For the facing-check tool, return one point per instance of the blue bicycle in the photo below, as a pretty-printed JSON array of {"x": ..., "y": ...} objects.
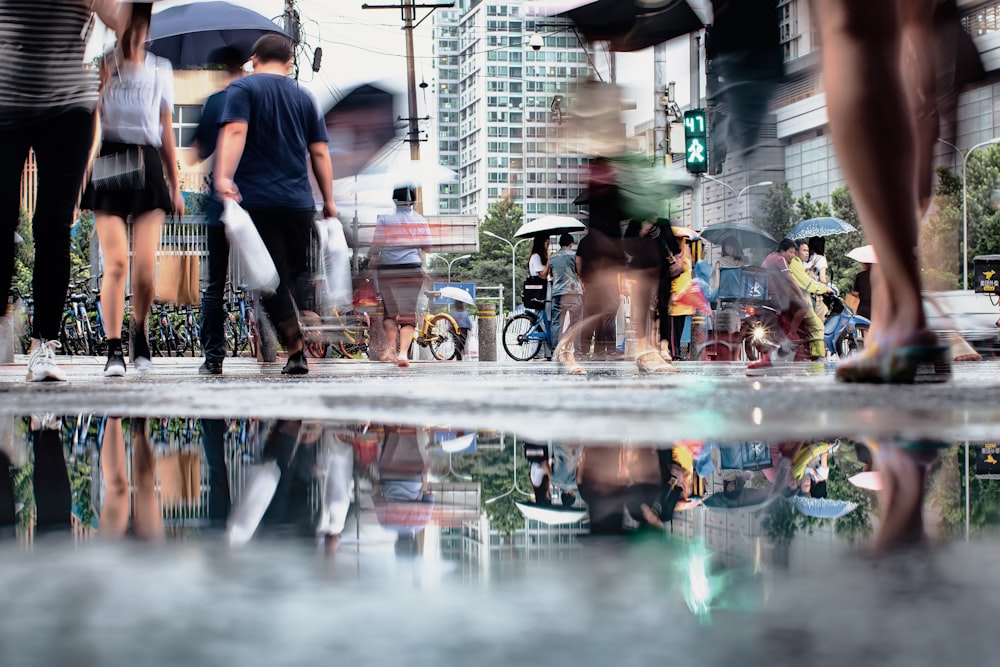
[{"x": 524, "y": 333}]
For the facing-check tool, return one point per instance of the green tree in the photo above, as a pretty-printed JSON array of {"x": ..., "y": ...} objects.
[
  {"x": 941, "y": 236},
  {"x": 843, "y": 270},
  {"x": 24, "y": 255},
  {"x": 776, "y": 213},
  {"x": 492, "y": 468},
  {"x": 983, "y": 197},
  {"x": 492, "y": 265},
  {"x": 83, "y": 230},
  {"x": 806, "y": 208}
]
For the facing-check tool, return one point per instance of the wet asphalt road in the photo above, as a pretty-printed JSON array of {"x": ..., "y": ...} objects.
[{"x": 613, "y": 402}]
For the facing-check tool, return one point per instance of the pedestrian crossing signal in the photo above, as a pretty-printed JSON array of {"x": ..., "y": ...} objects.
[{"x": 695, "y": 141}]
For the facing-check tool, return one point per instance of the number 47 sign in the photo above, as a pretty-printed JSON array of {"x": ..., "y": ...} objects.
[{"x": 695, "y": 141}]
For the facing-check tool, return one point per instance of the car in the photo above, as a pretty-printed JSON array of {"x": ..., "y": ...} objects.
[{"x": 973, "y": 316}]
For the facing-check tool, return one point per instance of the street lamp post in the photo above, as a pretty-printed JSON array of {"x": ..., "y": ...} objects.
[
  {"x": 739, "y": 195},
  {"x": 449, "y": 263},
  {"x": 513, "y": 265},
  {"x": 965, "y": 203}
]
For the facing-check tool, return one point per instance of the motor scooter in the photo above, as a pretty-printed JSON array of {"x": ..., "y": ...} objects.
[{"x": 844, "y": 331}]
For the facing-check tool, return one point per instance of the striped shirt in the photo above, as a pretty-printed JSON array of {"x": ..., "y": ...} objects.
[{"x": 41, "y": 59}]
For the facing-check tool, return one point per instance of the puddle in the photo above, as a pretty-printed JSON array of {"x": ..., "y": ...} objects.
[{"x": 333, "y": 537}]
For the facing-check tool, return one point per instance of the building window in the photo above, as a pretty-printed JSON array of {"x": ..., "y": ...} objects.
[{"x": 186, "y": 119}]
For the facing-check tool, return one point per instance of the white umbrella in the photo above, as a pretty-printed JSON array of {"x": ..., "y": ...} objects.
[
  {"x": 459, "y": 444},
  {"x": 550, "y": 224},
  {"x": 551, "y": 515},
  {"x": 867, "y": 480},
  {"x": 418, "y": 173},
  {"x": 864, "y": 254},
  {"x": 458, "y": 294}
]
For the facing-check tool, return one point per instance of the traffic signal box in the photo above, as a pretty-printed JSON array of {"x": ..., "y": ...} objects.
[{"x": 696, "y": 141}]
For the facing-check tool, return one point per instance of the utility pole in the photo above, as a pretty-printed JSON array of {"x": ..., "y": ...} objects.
[
  {"x": 409, "y": 9},
  {"x": 292, "y": 25}
]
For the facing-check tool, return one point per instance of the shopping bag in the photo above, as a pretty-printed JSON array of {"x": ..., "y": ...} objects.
[
  {"x": 335, "y": 265},
  {"x": 365, "y": 294},
  {"x": 189, "y": 292},
  {"x": 259, "y": 272},
  {"x": 168, "y": 277}
]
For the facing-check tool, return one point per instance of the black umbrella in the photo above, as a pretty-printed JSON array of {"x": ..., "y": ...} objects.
[
  {"x": 189, "y": 35},
  {"x": 631, "y": 25},
  {"x": 747, "y": 234}
]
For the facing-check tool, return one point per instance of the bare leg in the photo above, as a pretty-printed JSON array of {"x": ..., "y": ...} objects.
[
  {"x": 869, "y": 119},
  {"x": 904, "y": 473},
  {"x": 405, "y": 339},
  {"x": 113, "y": 237},
  {"x": 148, "y": 518},
  {"x": 146, "y": 242},
  {"x": 918, "y": 72},
  {"x": 114, "y": 513},
  {"x": 390, "y": 330}
]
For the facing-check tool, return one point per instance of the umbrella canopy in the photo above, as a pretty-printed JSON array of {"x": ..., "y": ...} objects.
[
  {"x": 627, "y": 24},
  {"x": 823, "y": 508},
  {"x": 864, "y": 254},
  {"x": 747, "y": 234},
  {"x": 458, "y": 294},
  {"x": 400, "y": 173},
  {"x": 360, "y": 125},
  {"x": 550, "y": 224},
  {"x": 551, "y": 515},
  {"x": 187, "y": 35},
  {"x": 745, "y": 500},
  {"x": 820, "y": 227},
  {"x": 871, "y": 480}
]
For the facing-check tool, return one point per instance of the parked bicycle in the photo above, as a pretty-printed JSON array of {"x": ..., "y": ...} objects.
[
  {"x": 524, "y": 333},
  {"x": 438, "y": 332}
]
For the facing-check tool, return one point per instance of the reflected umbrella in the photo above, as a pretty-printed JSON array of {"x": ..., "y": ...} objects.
[
  {"x": 822, "y": 508},
  {"x": 552, "y": 515},
  {"x": 360, "y": 125}
]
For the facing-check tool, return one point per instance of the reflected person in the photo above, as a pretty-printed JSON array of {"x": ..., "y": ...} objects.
[{"x": 147, "y": 518}]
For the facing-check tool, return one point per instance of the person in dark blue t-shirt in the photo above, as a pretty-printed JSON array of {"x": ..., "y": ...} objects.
[
  {"x": 270, "y": 127},
  {"x": 213, "y": 314}
]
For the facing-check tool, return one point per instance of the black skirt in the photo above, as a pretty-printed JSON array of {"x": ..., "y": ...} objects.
[{"x": 131, "y": 202}]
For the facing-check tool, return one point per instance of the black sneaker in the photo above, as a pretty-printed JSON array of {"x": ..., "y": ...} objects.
[
  {"x": 141, "y": 357},
  {"x": 115, "y": 367},
  {"x": 296, "y": 364},
  {"x": 210, "y": 368}
]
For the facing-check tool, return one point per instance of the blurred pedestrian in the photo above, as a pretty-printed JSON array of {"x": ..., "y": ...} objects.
[
  {"x": 879, "y": 72},
  {"x": 863, "y": 288},
  {"x": 680, "y": 313},
  {"x": 47, "y": 103},
  {"x": 213, "y": 313},
  {"x": 464, "y": 327},
  {"x": 272, "y": 131},
  {"x": 567, "y": 303},
  {"x": 397, "y": 254},
  {"x": 134, "y": 180},
  {"x": 671, "y": 252}
]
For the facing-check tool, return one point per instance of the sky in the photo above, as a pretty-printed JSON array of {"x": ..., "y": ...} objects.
[{"x": 368, "y": 46}]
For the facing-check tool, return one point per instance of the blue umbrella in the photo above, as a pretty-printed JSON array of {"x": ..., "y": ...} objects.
[
  {"x": 187, "y": 35},
  {"x": 823, "y": 508},
  {"x": 820, "y": 227}
]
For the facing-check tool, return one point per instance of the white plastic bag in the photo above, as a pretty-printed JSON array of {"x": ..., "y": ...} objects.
[
  {"x": 258, "y": 267},
  {"x": 338, "y": 292},
  {"x": 261, "y": 485}
]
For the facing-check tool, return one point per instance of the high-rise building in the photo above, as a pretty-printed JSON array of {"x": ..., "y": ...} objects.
[{"x": 501, "y": 109}]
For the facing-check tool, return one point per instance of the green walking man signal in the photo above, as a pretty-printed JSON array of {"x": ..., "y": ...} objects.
[{"x": 695, "y": 141}]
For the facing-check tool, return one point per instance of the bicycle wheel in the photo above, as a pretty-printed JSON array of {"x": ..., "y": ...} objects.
[
  {"x": 442, "y": 338},
  {"x": 515, "y": 341},
  {"x": 69, "y": 337}
]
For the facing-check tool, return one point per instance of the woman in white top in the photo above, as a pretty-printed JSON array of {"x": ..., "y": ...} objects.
[
  {"x": 538, "y": 260},
  {"x": 136, "y": 108},
  {"x": 816, "y": 263}
]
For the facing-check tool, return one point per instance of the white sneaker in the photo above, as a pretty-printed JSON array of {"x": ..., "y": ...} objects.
[
  {"x": 142, "y": 364},
  {"x": 42, "y": 365}
]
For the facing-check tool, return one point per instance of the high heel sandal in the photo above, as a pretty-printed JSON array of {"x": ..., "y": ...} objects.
[
  {"x": 650, "y": 362},
  {"x": 568, "y": 363},
  {"x": 908, "y": 364}
]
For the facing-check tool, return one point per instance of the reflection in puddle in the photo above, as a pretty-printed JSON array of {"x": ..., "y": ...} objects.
[
  {"x": 681, "y": 536},
  {"x": 481, "y": 496}
]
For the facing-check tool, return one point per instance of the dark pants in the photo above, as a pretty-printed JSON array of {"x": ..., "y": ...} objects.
[
  {"x": 50, "y": 481},
  {"x": 213, "y": 312},
  {"x": 676, "y": 331},
  {"x": 563, "y": 306},
  {"x": 62, "y": 146},
  {"x": 213, "y": 442},
  {"x": 286, "y": 235},
  {"x": 663, "y": 294}
]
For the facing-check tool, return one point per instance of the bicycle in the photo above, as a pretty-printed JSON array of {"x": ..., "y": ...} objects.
[
  {"x": 341, "y": 336},
  {"x": 163, "y": 339},
  {"x": 188, "y": 331},
  {"x": 246, "y": 331},
  {"x": 524, "y": 333},
  {"x": 438, "y": 332},
  {"x": 76, "y": 333}
]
